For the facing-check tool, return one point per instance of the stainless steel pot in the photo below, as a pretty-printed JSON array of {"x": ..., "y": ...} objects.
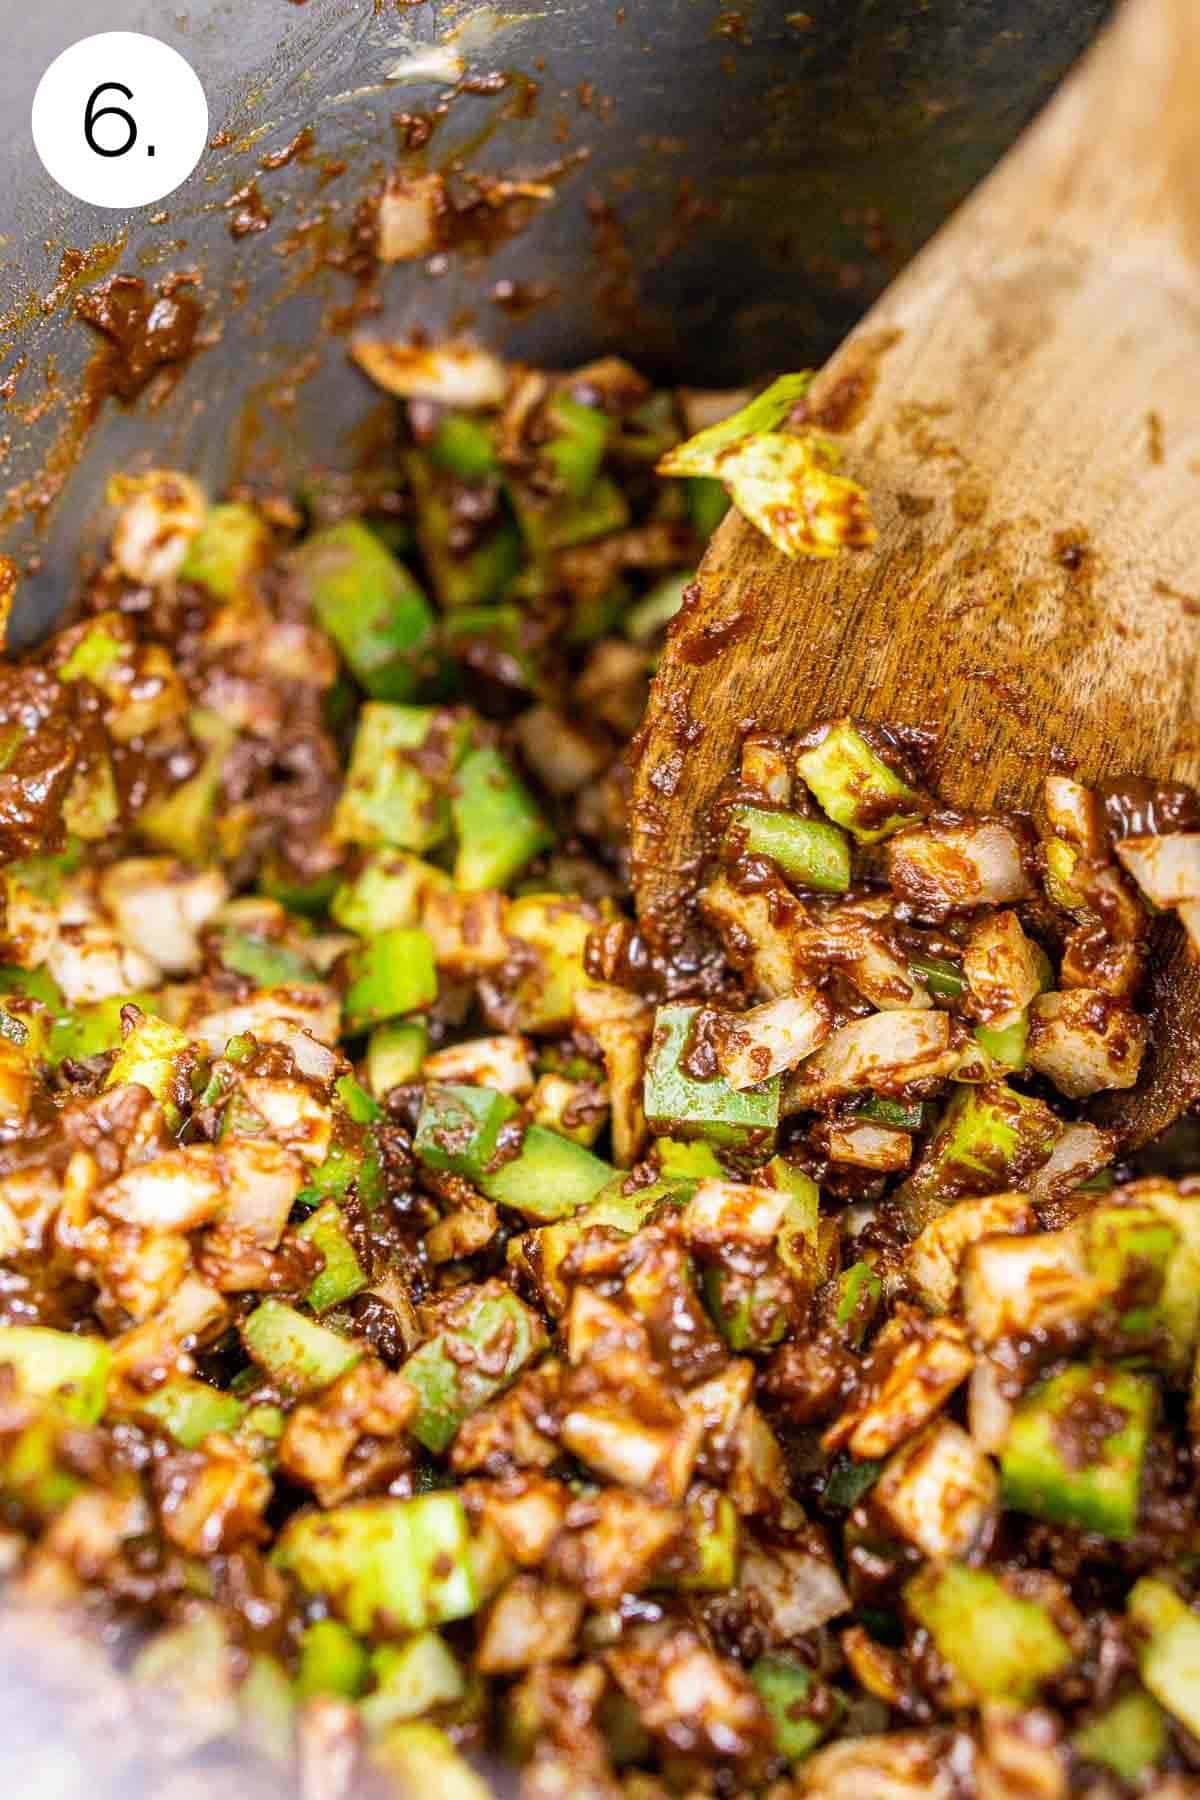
[{"x": 729, "y": 189}]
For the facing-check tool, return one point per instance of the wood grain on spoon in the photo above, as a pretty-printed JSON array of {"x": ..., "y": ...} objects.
[{"x": 1024, "y": 408}]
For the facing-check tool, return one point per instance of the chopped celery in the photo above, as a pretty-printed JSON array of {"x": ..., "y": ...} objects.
[
  {"x": 388, "y": 798},
  {"x": 459, "y": 1127},
  {"x": 855, "y": 787},
  {"x": 859, "y": 1291},
  {"x": 390, "y": 1565},
  {"x": 940, "y": 975},
  {"x": 390, "y": 974},
  {"x": 411, "y": 1679},
  {"x": 371, "y": 607},
  {"x": 1005, "y": 1044},
  {"x": 550, "y": 1176},
  {"x": 484, "y": 1345},
  {"x": 1092, "y": 1479},
  {"x": 154, "y": 1056},
  {"x": 262, "y": 961},
  {"x": 299, "y": 1355},
  {"x": 332, "y": 1661},
  {"x": 785, "y": 484},
  {"x": 574, "y": 449},
  {"x": 680, "y": 1104},
  {"x": 707, "y": 504},
  {"x": 785, "y": 1686},
  {"x": 556, "y": 930},
  {"x": 91, "y": 1027},
  {"x": 710, "y": 1542},
  {"x": 1001, "y": 1646},
  {"x": 395, "y": 1052},
  {"x": 498, "y": 824},
  {"x": 990, "y": 1138},
  {"x": 60, "y": 1366},
  {"x": 464, "y": 446},
  {"x": 810, "y": 852},
  {"x": 184, "y": 820},
  {"x": 227, "y": 549},
  {"x": 1129, "y": 1737},
  {"x": 190, "y": 1410},
  {"x": 1168, "y": 1637},
  {"x": 343, "y": 1275}
]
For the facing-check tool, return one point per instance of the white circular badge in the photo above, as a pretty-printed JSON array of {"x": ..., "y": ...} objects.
[{"x": 120, "y": 119}]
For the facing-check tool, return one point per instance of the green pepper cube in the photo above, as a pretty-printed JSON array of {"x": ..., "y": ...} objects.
[
  {"x": 184, "y": 820},
  {"x": 940, "y": 975},
  {"x": 91, "y": 1028},
  {"x": 1168, "y": 1638},
  {"x": 484, "y": 1344},
  {"x": 388, "y": 1565},
  {"x": 390, "y": 974},
  {"x": 1001, "y": 1646},
  {"x": 990, "y": 1137},
  {"x": 153, "y": 1055},
  {"x": 1076, "y": 1447},
  {"x": 859, "y": 1291},
  {"x": 343, "y": 1275},
  {"x": 460, "y": 578},
  {"x": 332, "y": 1661},
  {"x": 1006, "y": 1044},
  {"x": 233, "y": 541},
  {"x": 297, "y": 1353},
  {"x": 679, "y": 1104},
  {"x": 388, "y": 890},
  {"x": 680, "y": 1160},
  {"x": 711, "y": 1542},
  {"x": 388, "y": 798},
  {"x": 459, "y": 1127},
  {"x": 60, "y": 1366},
  {"x": 575, "y": 447},
  {"x": 395, "y": 1052},
  {"x": 854, "y": 786},
  {"x": 811, "y": 852},
  {"x": 370, "y": 605},
  {"x": 1129, "y": 1737},
  {"x": 262, "y": 961},
  {"x": 784, "y": 1686},
  {"x": 549, "y": 1178},
  {"x": 498, "y": 824},
  {"x": 556, "y": 929},
  {"x": 190, "y": 1410},
  {"x": 411, "y": 1679},
  {"x": 1130, "y": 1251},
  {"x": 464, "y": 446}
]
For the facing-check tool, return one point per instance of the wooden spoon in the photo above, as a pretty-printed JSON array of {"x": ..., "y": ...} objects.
[{"x": 1023, "y": 407}]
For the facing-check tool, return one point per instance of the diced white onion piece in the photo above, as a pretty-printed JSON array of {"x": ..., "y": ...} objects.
[
  {"x": 766, "y": 770},
  {"x": 938, "y": 1492},
  {"x": 160, "y": 904},
  {"x": 913, "y": 1369},
  {"x": 989, "y": 1410},
  {"x": 866, "y": 1145},
  {"x": 1167, "y": 868},
  {"x": 1002, "y": 969},
  {"x": 529, "y": 1622},
  {"x": 953, "y": 868},
  {"x": 562, "y": 755},
  {"x": 504, "y": 1063},
  {"x": 1079, "y": 1152},
  {"x": 730, "y": 1212},
  {"x": 653, "y": 1459},
  {"x": 887, "y": 1049},
  {"x": 754, "y": 1045},
  {"x": 467, "y": 930},
  {"x": 294, "y": 1115},
  {"x": 90, "y": 963},
  {"x": 410, "y": 213},
  {"x": 452, "y": 374},
  {"x": 174, "y": 1192},
  {"x": 263, "y": 1181},
  {"x": 934, "y": 1258},
  {"x": 311, "y": 1057},
  {"x": 888, "y": 1765},
  {"x": 853, "y": 938},
  {"x": 308, "y": 1005},
  {"x": 161, "y": 512},
  {"x": 1014, "y": 1285},
  {"x": 1074, "y": 811},
  {"x": 1085, "y": 1041},
  {"x": 793, "y": 1590},
  {"x": 759, "y": 932}
]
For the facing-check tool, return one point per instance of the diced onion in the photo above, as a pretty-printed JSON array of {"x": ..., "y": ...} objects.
[
  {"x": 453, "y": 374},
  {"x": 1085, "y": 1041},
  {"x": 886, "y": 1049},
  {"x": 939, "y": 869},
  {"x": 410, "y": 212},
  {"x": 1167, "y": 868},
  {"x": 754, "y": 1045}
]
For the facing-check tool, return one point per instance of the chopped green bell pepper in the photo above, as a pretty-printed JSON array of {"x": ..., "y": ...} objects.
[
  {"x": 785, "y": 1685},
  {"x": 1168, "y": 1639},
  {"x": 332, "y": 1661},
  {"x": 1076, "y": 1446},
  {"x": 343, "y": 1275},
  {"x": 388, "y": 798},
  {"x": 549, "y": 1177},
  {"x": 458, "y": 1128},
  {"x": 855, "y": 787},
  {"x": 811, "y": 852},
  {"x": 1001, "y": 1646},
  {"x": 387, "y": 1565},
  {"x": 411, "y": 1679},
  {"x": 298, "y": 1354},
  {"x": 1129, "y": 1737},
  {"x": 190, "y": 1411},
  {"x": 371, "y": 607},
  {"x": 395, "y": 1052},
  {"x": 684, "y": 1107},
  {"x": 70, "y": 1370},
  {"x": 498, "y": 824},
  {"x": 233, "y": 541},
  {"x": 388, "y": 975}
]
